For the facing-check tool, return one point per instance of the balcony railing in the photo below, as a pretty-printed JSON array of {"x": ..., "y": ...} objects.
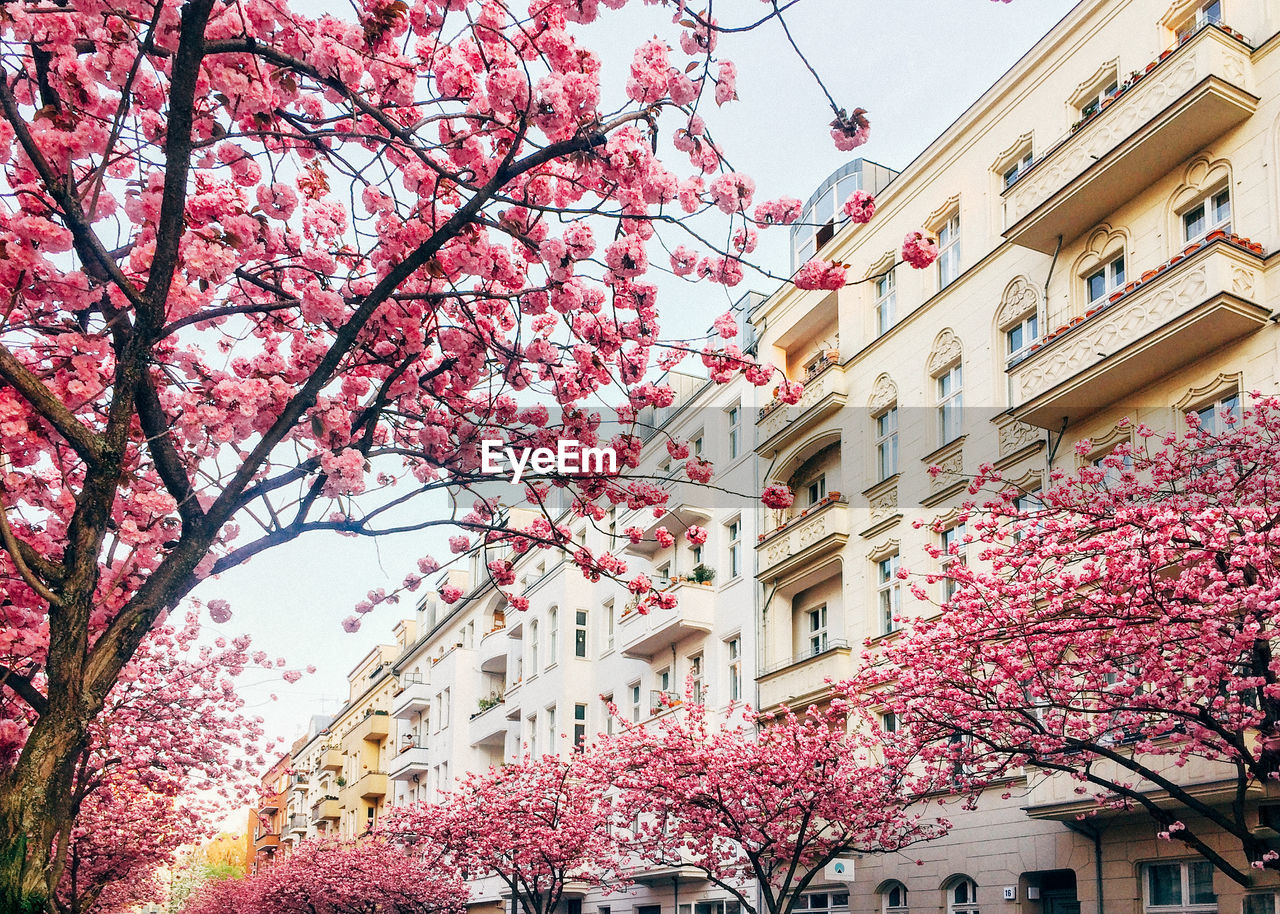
[
  {"x": 660, "y": 701},
  {"x": 1202, "y": 299},
  {"x": 375, "y": 727},
  {"x": 1192, "y": 95},
  {"x": 818, "y": 527},
  {"x": 825, "y": 391},
  {"x": 412, "y": 699},
  {"x": 805, "y": 675},
  {"x": 412, "y": 759},
  {"x": 642, "y": 635}
]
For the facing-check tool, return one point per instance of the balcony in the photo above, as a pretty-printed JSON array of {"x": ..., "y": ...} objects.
[
  {"x": 678, "y": 516},
  {"x": 825, "y": 392},
  {"x": 411, "y": 700},
  {"x": 817, "y": 531},
  {"x": 493, "y": 650},
  {"x": 374, "y": 728},
  {"x": 488, "y": 727},
  {"x": 269, "y": 805},
  {"x": 327, "y": 809},
  {"x": 330, "y": 760},
  {"x": 297, "y": 824},
  {"x": 796, "y": 679},
  {"x": 1054, "y": 794},
  {"x": 642, "y": 635},
  {"x": 1186, "y": 311},
  {"x": 266, "y": 841},
  {"x": 411, "y": 761},
  {"x": 371, "y": 785},
  {"x": 1193, "y": 95}
]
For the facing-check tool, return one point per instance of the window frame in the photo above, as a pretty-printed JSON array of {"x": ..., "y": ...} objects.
[
  {"x": 733, "y": 647},
  {"x": 955, "y": 905},
  {"x": 948, "y": 250},
  {"x": 1204, "y": 203},
  {"x": 1185, "y": 906},
  {"x": 1014, "y": 170},
  {"x": 817, "y": 636},
  {"x": 734, "y": 416},
  {"x": 733, "y": 530},
  {"x": 1111, "y": 272},
  {"x": 1093, "y": 103},
  {"x": 580, "y": 630},
  {"x": 949, "y": 389},
  {"x": 888, "y": 591},
  {"x": 953, "y": 535},
  {"x": 886, "y": 442},
  {"x": 885, "y": 289},
  {"x": 1029, "y": 329}
]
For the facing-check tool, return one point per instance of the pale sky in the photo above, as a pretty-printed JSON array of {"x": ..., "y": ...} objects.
[{"x": 915, "y": 65}]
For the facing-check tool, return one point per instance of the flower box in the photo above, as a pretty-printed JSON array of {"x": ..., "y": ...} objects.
[
  {"x": 1215, "y": 235},
  {"x": 1149, "y": 274},
  {"x": 1116, "y": 296}
]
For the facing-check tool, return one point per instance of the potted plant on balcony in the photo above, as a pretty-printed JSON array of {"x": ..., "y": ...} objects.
[
  {"x": 703, "y": 575},
  {"x": 340, "y": 781}
]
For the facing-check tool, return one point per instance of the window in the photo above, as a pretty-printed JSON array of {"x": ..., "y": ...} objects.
[
  {"x": 664, "y": 575},
  {"x": 886, "y": 302},
  {"x": 950, "y": 400},
  {"x": 1093, "y": 104},
  {"x": 697, "y": 446},
  {"x": 1020, "y": 336},
  {"x": 1102, "y": 282},
  {"x": 607, "y": 613},
  {"x": 887, "y": 443},
  {"x": 1113, "y": 467},
  {"x": 817, "y": 629},
  {"x": 1259, "y": 904},
  {"x": 580, "y": 633},
  {"x": 607, "y": 700},
  {"x": 817, "y": 490},
  {"x": 715, "y": 907},
  {"x": 889, "y": 592},
  {"x": 1028, "y": 504},
  {"x": 1179, "y": 888},
  {"x": 579, "y": 727},
  {"x": 952, "y": 538},
  {"x": 552, "y": 736},
  {"x": 735, "y": 669},
  {"x": 962, "y": 897},
  {"x": 696, "y": 552},
  {"x": 553, "y": 633},
  {"x": 889, "y": 722},
  {"x": 735, "y": 549},
  {"x": 894, "y": 899},
  {"x": 949, "y": 251},
  {"x": 664, "y": 680},
  {"x": 533, "y": 649},
  {"x": 818, "y": 902},
  {"x": 1208, "y": 14},
  {"x": 532, "y": 724},
  {"x": 695, "y": 678},
  {"x": 1220, "y": 415},
  {"x": 633, "y": 692},
  {"x": 735, "y": 430},
  {"x": 1207, "y": 215},
  {"x": 1014, "y": 172}
]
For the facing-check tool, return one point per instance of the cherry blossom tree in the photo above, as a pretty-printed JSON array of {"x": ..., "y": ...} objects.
[
  {"x": 170, "y": 750},
  {"x": 1118, "y": 629},
  {"x": 328, "y": 876},
  {"x": 270, "y": 275},
  {"x": 769, "y": 805},
  {"x": 536, "y": 825}
]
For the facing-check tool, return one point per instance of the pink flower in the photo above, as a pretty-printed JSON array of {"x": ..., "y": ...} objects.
[
  {"x": 726, "y": 325},
  {"x": 919, "y": 249},
  {"x": 777, "y": 496},
  {"x": 696, "y": 535},
  {"x": 291, "y": 676},
  {"x": 820, "y": 274},
  {"x": 459, "y": 543},
  {"x": 626, "y": 257},
  {"x": 635, "y": 534},
  {"x": 220, "y": 611},
  {"x": 726, "y": 83},
  {"x": 860, "y": 207},
  {"x": 683, "y": 260},
  {"x": 351, "y": 624},
  {"x": 849, "y": 131},
  {"x": 732, "y": 192},
  {"x": 698, "y": 470},
  {"x": 450, "y": 593},
  {"x": 664, "y": 537},
  {"x": 783, "y": 211}
]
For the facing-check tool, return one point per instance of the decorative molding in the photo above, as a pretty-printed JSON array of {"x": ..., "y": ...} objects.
[
  {"x": 884, "y": 550},
  {"x": 944, "y": 212},
  {"x": 1020, "y": 299},
  {"x": 884, "y": 393},
  {"x": 1091, "y": 84},
  {"x": 1014, "y": 436},
  {"x": 1202, "y": 176},
  {"x": 1030, "y": 481},
  {"x": 949, "y": 477},
  {"x": 947, "y": 350},
  {"x": 1242, "y": 281},
  {"x": 1100, "y": 446},
  {"x": 886, "y": 262},
  {"x": 1006, "y": 158},
  {"x": 1211, "y": 390},
  {"x": 1178, "y": 13},
  {"x": 883, "y": 503}
]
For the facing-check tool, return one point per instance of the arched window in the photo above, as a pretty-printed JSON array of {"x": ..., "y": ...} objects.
[
  {"x": 962, "y": 896},
  {"x": 893, "y": 899}
]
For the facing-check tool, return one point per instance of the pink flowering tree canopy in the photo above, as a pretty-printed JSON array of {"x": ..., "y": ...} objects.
[
  {"x": 1117, "y": 629},
  {"x": 329, "y": 876},
  {"x": 769, "y": 806},
  {"x": 536, "y": 825}
]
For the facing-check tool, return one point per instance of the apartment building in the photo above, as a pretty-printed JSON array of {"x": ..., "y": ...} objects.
[
  {"x": 269, "y": 816},
  {"x": 1105, "y": 215},
  {"x": 304, "y": 758}
]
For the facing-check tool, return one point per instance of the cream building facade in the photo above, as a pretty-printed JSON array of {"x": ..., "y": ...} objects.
[
  {"x": 1106, "y": 213},
  {"x": 1105, "y": 216}
]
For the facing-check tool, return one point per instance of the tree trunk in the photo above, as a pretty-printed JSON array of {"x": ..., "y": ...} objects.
[{"x": 35, "y": 813}]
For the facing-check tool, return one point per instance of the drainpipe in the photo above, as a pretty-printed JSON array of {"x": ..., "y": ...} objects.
[
  {"x": 1093, "y": 833},
  {"x": 675, "y": 892}
]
